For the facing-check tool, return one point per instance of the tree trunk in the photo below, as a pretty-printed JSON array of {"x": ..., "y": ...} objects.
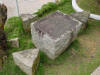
[{"x": 3, "y": 15}]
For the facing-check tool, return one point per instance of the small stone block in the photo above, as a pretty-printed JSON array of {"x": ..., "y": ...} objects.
[
  {"x": 97, "y": 71},
  {"x": 14, "y": 42},
  {"x": 27, "y": 60},
  {"x": 27, "y": 19}
]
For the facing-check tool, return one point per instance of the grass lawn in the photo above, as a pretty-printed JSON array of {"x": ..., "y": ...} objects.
[
  {"x": 81, "y": 58},
  {"x": 89, "y": 5}
]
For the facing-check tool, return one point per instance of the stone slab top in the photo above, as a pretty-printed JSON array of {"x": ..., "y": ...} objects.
[{"x": 55, "y": 24}]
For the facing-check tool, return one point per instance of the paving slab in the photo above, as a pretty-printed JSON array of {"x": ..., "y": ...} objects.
[{"x": 25, "y": 6}]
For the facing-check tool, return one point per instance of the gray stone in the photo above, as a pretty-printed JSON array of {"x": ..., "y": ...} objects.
[
  {"x": 54, "y": 33},
  {"x": 96, "y": 72},
  {"x": 14, "y": 42},
  {"x": 27, "y": 19},
  {"x": 27, "y": 60},
  {"x": 82, "y": 16}
]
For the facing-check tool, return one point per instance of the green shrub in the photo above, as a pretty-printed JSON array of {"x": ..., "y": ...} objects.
[
  {"x": 49, "y": 7},
  {"x": 46, "y": 8},
  {"x": 13, "y": 27},
  {"x": 62, "y": 2}
]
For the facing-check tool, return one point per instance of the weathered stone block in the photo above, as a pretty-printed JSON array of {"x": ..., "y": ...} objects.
[
  {"x": 54, "y": 33},
  {"x": 27, "y": 20},
  {"x": 14, "y": 42},
  {"x": 83, "y": 17},
  {"x": 27, "y": 60}
]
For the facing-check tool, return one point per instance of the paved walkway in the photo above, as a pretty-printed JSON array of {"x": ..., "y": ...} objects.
[{"x": 25, "y": 6}]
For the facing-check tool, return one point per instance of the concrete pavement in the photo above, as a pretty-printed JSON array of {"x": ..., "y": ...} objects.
[{"x": 25, "y": 6}]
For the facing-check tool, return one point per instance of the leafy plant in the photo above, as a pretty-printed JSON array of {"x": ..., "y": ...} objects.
[
  {"x": 46, "y": 8},
  {"x": 13, "y": 27}
]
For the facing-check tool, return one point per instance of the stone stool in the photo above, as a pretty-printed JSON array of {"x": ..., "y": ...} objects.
[{"x": 54, "y": 33}]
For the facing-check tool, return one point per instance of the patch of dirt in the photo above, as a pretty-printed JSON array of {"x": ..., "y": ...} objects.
[{"x": 90, "y": 42}]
